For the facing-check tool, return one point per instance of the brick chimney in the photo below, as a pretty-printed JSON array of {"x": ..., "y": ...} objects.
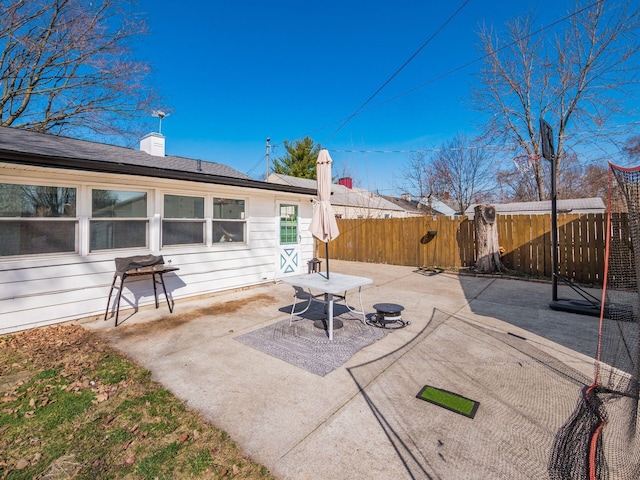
[
  {"x": 153, "y": 144},
  {"x": 346, "y": 182}
]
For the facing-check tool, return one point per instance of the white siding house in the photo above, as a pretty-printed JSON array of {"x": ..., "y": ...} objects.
[
  {"x": 349, "y": 202},
  {"x": 69, "y": 207}
]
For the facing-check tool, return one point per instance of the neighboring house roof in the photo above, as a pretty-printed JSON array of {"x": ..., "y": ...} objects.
[
  {"x": 31, "y": 148},
  {"x": 574, "y": 205},
  {"x": 437, "y": 205},
  {"x": 341, "y": 195},
  {"x": 408, "y": 205}
]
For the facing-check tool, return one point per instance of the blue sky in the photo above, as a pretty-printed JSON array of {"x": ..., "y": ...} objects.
[{"x": 234, "y": 73}]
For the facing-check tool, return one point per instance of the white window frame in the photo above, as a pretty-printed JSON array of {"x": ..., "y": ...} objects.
[
  {"x": 242, "y": 220},
  {"x": 297, "y": 223},
  {"x": 146, "y": 220},
  {"x": 44, "y": 220},
  {"x": 192, "y": 220}
]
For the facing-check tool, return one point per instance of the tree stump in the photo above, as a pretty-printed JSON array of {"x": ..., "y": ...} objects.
[{"x": 487, "y": 246}]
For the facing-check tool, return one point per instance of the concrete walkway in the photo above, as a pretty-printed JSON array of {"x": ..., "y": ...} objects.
[{"x": 490, "y": 339}]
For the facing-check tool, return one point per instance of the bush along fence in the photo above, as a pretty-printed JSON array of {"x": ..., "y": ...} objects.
[{"x": 449, "y": 242}]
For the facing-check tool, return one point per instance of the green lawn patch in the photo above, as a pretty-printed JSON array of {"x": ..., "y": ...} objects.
[{"x": 72, "y": 407}]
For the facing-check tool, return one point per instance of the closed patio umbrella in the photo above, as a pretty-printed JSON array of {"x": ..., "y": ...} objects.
[{"x": 323, "y": 223}]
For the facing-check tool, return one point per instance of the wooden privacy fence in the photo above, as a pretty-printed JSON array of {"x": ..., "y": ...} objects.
[{"x": 450, "y": 242}]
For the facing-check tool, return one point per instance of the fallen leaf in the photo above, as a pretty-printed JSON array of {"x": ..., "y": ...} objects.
[
  {"x": 183, "y": 438},
  {"x": 8, "y": 399},
  {"x": 32, "y": 402},
  {"x": 134, "y": 428},
  {"x": 131, "y": 459},
  {"x": 101, "y": 397},
  {"x": 196, "y": 435},
  {"x": 29, "y": 414},
  {"x": 22, "y": 464},
  {"x": 37, "y": 457},
  {"x": 236, "y": 469}
]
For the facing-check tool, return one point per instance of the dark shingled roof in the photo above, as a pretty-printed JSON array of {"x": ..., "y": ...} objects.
[{"x": 32, "y": 148}]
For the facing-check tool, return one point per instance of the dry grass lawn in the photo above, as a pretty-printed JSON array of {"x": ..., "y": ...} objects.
[{"x": 72, "y": 407}]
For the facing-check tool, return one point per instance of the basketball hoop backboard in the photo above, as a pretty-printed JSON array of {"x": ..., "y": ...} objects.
[{"x": 546, "y": 138}]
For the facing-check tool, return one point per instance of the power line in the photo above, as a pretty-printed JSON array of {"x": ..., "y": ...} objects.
[
  {"x": 476, "y": 60},
  {"x": 415, "y": 54},
  {"x": 362, "y": 110},
  {"x": 430, "y": 150}
]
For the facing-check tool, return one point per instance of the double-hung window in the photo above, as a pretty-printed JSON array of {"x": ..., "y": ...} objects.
[
  {"x": 183, "y": 221},
  {"x": 37, "y": 219},
  {"x": 229, "y": 223},
  {"x": 118, "y": 219}
]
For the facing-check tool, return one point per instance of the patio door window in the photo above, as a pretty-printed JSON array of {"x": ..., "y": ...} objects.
[
  {"x": 288, "y": 224},
  {"x": 36, "y": 219},
  {"x": 118, "y": 219}
]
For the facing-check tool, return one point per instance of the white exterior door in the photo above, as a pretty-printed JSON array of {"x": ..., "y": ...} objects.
[{"x": 289, "y": 238}]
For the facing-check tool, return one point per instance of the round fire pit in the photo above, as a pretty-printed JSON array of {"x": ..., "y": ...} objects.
[{"x": 388, "y": 315}]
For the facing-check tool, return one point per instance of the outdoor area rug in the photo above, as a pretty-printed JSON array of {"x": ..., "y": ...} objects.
[{"x": 304, "y": 345}]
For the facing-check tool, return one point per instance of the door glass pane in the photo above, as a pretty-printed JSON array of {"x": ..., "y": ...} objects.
[{"x": 288, "y": 224}]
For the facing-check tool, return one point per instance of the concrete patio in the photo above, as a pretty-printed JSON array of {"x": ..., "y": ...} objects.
[{"x": 362, "y": 420}]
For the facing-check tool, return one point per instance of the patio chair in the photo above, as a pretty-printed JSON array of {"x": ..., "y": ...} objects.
[
  {"x": 304, "y": 295},
  {"x": 300, "y": 293}
]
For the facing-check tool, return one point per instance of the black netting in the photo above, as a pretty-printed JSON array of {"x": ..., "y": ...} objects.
[
  {"x": 570, "y": 457},
  {"x": 525, "y": 395},
  {"x": 600, "y": 440}
]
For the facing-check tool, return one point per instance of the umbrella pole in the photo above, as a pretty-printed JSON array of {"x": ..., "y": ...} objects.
[{"x": 326, "y": 256}]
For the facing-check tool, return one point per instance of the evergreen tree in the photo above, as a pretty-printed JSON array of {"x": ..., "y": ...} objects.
[{"x": 300, "y": 159}]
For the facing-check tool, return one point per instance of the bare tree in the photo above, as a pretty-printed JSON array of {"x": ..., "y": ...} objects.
[
  {"x": 632, "y": 147},
  {"x": 463, "y": 170},
  {"x": 66, "y": 68},
  {"x": 518, "y": 184},
  {"x": 415, "y": 175},
  {"x": 576, "y": 79}
]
